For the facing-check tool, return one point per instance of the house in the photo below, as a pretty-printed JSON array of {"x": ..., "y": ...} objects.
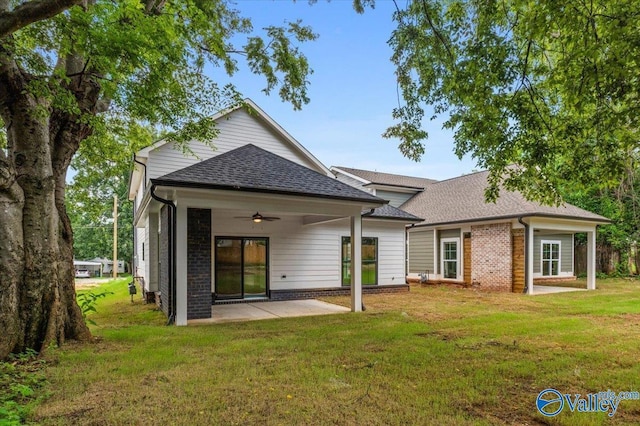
[
  {"x": 506, "y": 246},
  {"x": 94, "y": 268},
  {"x": 107, "y": 265},
  {"x": 257, "y": 218}
]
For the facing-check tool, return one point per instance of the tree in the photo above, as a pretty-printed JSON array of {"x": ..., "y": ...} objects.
[
  {"x": 90, "y": 194},
  {"x": 539, "y": 93},
  {"x": 71, "y": 76},
  {"x": 617, "y": 241}
]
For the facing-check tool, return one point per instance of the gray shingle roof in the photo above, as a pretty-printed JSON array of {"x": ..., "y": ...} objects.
[
  {"x": 388, "y": 178},
  {"x": 389, "y": 212},
  {"x": 250, "y": 168},
  {"x": 461, "y": 199}
]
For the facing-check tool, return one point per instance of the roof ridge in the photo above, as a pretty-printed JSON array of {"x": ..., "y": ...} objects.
[
  {"x": 461, "y": 176},
  {"x": 251, "y": 168},
  {"x": 384, "y": 173}
]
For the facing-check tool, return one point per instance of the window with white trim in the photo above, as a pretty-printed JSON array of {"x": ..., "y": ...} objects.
[
  {"x": 450, "y": 257},
  {"x": 550, "y": 258}
]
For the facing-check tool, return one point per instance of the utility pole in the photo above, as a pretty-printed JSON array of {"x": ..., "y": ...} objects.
[{"x": 114, "y": 269}]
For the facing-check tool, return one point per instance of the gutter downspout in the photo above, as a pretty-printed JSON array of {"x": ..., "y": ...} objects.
[
  {"x": 526, "y": 252},
  {"x": 145, "y": 171},
  {"x": 172, "y": 254}
]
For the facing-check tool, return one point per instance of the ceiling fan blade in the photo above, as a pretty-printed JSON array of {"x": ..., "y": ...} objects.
[{"x": 270, "y": 219}]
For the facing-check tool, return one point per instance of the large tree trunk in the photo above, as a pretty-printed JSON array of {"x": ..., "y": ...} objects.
[
  {"x": 37, "y": 300},
  {"x": 11, "y": 259}
]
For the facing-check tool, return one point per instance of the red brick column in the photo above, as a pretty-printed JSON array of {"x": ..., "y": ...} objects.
[{"x": 491, "y": 256}]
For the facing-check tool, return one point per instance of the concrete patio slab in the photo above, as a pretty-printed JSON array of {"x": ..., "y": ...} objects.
[
  {"x": 269, "y": 310},
  {"x": 544, "y": 289}
]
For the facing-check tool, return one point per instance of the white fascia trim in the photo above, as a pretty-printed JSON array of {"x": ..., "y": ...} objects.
[
  {"x": 352, "y": 176},
  {"x": 142, "y": 208},
  {"x": 136, "y": 178},
  {"x": 394, "y": 188}
]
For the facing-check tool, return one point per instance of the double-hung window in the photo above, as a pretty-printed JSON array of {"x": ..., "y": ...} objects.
[
  {"x": 550, "y": 258},
  {"x": 450, "y": 257}
]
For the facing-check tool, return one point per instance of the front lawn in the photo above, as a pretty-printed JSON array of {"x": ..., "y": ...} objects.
[{"x": 437, "y": 355}]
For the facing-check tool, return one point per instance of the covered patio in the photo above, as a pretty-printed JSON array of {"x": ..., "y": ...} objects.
[
  {"x": 547, "y": 289},
  {"x": 248, "y": 224},
  {"x": 235, "y": 312},
  {"x": 539, "y": 228}
]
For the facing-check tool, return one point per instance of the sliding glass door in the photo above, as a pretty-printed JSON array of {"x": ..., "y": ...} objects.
[{"x": 241, "y": 266}]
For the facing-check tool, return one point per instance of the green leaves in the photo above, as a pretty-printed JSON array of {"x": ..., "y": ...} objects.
[
  {"x": 102, "y": 169},
  {"x": 539, "y": 94},
  {"x": 87, "y": 301},
  {"x": 149, "y": 63},
  {"x": 281, "y": 63}
]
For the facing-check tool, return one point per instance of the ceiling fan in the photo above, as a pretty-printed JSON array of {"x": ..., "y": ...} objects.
[{"x": 257, "y": 218}]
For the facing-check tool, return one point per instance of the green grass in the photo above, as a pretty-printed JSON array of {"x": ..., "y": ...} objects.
[{"x": 437, "y": 355}]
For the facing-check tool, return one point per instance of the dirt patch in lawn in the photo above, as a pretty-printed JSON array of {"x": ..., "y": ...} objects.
[{"x": 86, "y": 283}]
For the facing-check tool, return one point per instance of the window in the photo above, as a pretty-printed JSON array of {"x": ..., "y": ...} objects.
[
  {"x": 369, "y": 261},
  {"x": 143, "y": 251},
  {"x": 450, "y": 257},
  {"x": 550, "y": 258}
]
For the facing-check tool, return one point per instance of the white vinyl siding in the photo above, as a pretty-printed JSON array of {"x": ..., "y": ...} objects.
[
  {"x": 396, "y": 199},
  {"x": 235, "y": 130},
  {"x": 151, "y": 255},
  {"x": 421, "y": 252},
  {"x": 303, "y": 257},
  {"x": 566, "y": 252},
  {"x": 141, "y": 247}
]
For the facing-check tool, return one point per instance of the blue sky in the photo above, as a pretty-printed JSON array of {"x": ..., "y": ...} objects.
[{"x": 352, "y": 91}]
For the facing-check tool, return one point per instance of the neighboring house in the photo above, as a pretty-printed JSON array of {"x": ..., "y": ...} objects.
[
  {"x": 257, "y": 218},
  {"x": 94, "y": 268},
  {"x": 107, "y": 265},
  {"x": 507, "y": 245}
]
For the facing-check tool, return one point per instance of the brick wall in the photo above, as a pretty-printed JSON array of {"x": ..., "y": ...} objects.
[
  {"x": 491, "y": 256},
  {"x": 518, "y": 260},
  {"x": 198, "y": 263},
  {"x": 163, "y": 257},
  {"x": 312, "y": 293}
]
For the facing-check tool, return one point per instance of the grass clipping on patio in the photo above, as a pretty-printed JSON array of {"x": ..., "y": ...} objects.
[{"x": 435, "y": 355}]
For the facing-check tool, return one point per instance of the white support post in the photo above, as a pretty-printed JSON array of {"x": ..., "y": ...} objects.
[
  {"x": 529, "y": 260},
  {"x": 591, "y": 260},
  {"x": 181, "y": 265},
  {"x": 356, "y": 263}
]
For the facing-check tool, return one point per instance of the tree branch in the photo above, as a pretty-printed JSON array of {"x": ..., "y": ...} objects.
[
  {"x": 435, "y": 30},
  {"x": 32, "y": 11}
]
